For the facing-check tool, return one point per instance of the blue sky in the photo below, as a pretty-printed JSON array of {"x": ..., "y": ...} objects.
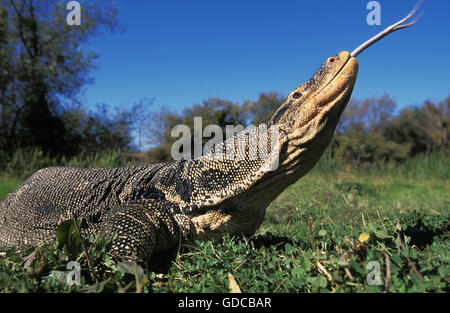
[{"x": 183, "y": 52}]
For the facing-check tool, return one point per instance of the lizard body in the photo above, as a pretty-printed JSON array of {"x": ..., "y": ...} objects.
[{"x": 150, "y": 208}]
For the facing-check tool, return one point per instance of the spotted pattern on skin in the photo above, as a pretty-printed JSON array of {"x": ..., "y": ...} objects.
[{"x": 149, "y": 209}]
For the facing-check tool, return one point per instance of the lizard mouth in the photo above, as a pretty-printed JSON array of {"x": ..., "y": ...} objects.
[
  {"x": 306, "y": 101},
  {"x": 334, "y": 81},
  {"x": 341, "y": 75}
]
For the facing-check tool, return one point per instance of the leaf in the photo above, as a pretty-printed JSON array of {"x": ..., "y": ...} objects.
[
  {"x": 298, "y": 282},
  {"x": 59, "y": 276},
  {"x": 297, "y": 272},
  {"x": 289, "y": 248},
  {"x": 371, "y": 228},
  {"x": 233, "y": 285},
  {"x": 363, "y": 237},
  {"x": 396, "y": 259},
  {"x": 305, "y": 263},
  {"x": 323, "y": 282},
  {"x": 68, "y": 239},
  {"x": 29, "y": 259},
  {"x": 357, "y": 268},
  {"x": 442, "y": 271},
  {"x": 381, "y": 234},
  {"x": 322, "y": 233},
  {"x": 99, "y": 287},
  {"x": 131, "y": 268}
]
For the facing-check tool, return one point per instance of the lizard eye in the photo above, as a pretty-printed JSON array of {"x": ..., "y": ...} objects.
[{"x": 297, "y": 95}]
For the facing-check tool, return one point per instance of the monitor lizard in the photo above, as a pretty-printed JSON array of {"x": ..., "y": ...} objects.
[{"x": 151, "y": 208}]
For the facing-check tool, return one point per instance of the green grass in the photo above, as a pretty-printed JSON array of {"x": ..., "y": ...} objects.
[
  {"x": 319, "y": 235},
  {"x": 8, "y": 184}
]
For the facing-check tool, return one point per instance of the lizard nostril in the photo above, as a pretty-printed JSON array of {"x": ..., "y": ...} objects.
[{"x": 331, "y": 60}]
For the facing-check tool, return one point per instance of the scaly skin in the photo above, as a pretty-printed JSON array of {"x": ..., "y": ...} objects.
[{"x": 151, "y": 208}]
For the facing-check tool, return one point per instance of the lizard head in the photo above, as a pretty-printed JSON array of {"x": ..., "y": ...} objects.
[
  {"x": 309, "y": 116},
  {"x": 312, "y": 105},
  {"x": 303, "y": 127}
]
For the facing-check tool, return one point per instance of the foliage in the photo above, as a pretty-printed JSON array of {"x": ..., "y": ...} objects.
[
  {"x": 320, "y": 235},
  {"x": 45, "y": 63},
  {"x": 424, "y": 129},
  {"x": 24, "y": 162},
  {"x": 47, "y": 267},
  {"x": 379, "y": 194},
  {"x": 96, "y": 130},
  {"x": 368, "y": 114},
  {"x": 369, "y": 131},
  {"x": 213, "y": 111},
  {"x": 358, "y": 147},
  {"x": 261, "y": 110}
]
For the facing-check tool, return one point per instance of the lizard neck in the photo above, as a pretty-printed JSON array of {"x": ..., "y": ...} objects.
[{"x": 228, "y": 190}]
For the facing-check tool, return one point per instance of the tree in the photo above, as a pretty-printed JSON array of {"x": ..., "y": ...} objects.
[
  {"x": 369, "y": 114},
  {"x": 367, "y": 132},
  {"x": 426, "y": 128},
  {"x": 97, "y": 130},
  {"x": 261, "y": 110},
  {"x": 213, "y": 111},
  {"x": 360, "y": 133},
  {"x": 44, "y": 66},
  {"x": 140, "y": 116}
]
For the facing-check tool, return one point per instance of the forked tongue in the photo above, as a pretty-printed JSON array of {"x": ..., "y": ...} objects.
[{"x": 396, "y": 26}]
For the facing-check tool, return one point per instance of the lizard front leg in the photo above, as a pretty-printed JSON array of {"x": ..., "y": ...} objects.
[{"x": 146, "y": 231}]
